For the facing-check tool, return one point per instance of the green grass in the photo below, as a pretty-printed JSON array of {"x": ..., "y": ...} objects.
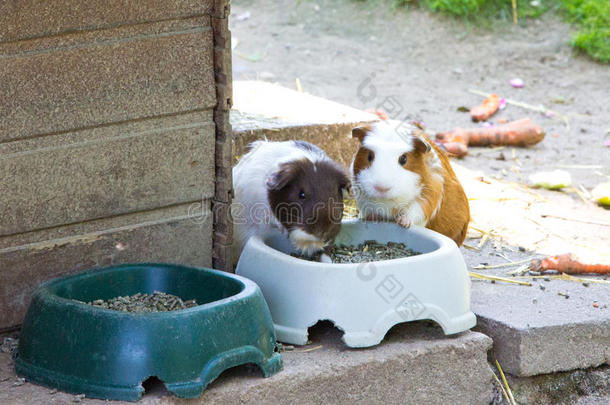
[
  {"x": 591, "y": 18},
  {"x": 489, "y": 9}
]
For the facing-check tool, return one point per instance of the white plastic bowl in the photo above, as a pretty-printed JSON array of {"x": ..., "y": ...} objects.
[{"x": 364, "y": 300}]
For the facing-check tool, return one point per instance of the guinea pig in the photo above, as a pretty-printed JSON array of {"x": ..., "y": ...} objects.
[
  {"x": 406, "y": 178},
  {"x": 292, "y": 187}
]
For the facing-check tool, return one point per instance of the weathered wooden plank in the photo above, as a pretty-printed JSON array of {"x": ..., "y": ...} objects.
[
  {"x": 105, "y": 176},
  {"x": 80, "y": 85},
  {"x": 21, "y": 19},
  {"x": 176, "y": 239}
]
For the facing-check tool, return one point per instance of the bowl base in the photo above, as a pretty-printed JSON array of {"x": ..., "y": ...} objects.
[{"x": 183, "y": 389}]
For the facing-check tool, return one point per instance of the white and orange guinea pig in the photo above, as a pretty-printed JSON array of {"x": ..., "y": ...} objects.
[
  {"x": 290, "y": 187},
  {"x": 407, "y": 179}
]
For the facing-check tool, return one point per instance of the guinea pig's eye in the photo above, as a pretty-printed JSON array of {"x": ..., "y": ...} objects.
[
  {"x": 301, "y": 195},
  {"x": 371, "y": 156},
  {"x": 402, "y": 159}
]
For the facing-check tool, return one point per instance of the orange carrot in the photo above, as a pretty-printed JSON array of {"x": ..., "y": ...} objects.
[
  {"x": 455, "y": 143},
  {"x": 568, "y": 264},
  {"x": 516, "y": 133},
  {"x": 379, "y": 113},
  {"x": 487, "y": 109},
  {"x": 457, "y": 149}
]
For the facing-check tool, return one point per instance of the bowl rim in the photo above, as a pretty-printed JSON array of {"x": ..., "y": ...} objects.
[
  {"x": 446, "y": 245},
  {"x": 248, "y": 287}
]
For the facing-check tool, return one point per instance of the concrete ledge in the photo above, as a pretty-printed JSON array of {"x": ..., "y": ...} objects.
[
  {"x": 537, "y": 331},
  {"x": 263, "y": 109},
  {"x": 416, "y": 364},
  {"x": 591, "y": 386}
]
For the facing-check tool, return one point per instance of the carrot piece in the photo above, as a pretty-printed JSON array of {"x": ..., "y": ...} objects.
[
  {"x": 568, "y": 264},
  {"x": 516, "y": 133},
  {"x": 457, "y": 149},
  {"x": 455, "y": 142},
  {"x": 379, "y": 113},
  {"x": 487, "y": 109}
]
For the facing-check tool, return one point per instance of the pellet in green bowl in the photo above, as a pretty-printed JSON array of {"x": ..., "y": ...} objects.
[{"x": 155, "y": 302}]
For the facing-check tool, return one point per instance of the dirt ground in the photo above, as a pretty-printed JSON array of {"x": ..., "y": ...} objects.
[
  {"x": 418, "y": 65},
  {"x": 427, "y": 63}
]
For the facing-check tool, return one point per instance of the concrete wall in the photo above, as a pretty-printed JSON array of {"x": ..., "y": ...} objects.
[{"x": 108, "y": 146}]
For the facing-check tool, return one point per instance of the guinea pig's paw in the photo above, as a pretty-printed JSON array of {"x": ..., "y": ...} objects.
[
  {"x": 324, "y": 258},
  {"x": 305, "y": 242},
  {"x": 374, "y": 217},
  {"x": 403, "y": 221}
]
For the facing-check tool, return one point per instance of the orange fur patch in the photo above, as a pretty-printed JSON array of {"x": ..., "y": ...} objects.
[
  {"x": 432, "y": 187},
  {"x": 453, "y": 215},
  {"x": 361, "y": 159}
]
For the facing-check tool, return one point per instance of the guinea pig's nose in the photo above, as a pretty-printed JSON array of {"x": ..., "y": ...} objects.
[{"x": 381, "y": 189}]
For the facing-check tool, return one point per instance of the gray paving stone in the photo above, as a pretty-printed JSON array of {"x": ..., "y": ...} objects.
[
  {"x": 264, "y": 110},
  {"x": 416, "y": 364},
  {"x": 537, "y": 331},
  {"x": 591, "y": 386}
]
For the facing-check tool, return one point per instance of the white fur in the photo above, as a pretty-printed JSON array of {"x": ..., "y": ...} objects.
[
  {"x": 385, "y": 171},
  {"x": 251, "y": 209},
  {"x": 305, "y": 242}
]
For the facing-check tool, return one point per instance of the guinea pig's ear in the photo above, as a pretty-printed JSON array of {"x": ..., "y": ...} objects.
[
  {"x": 280, "y": 178},
  {"x": 421, "y": 145},
  {"x": 360, "y": 132}
]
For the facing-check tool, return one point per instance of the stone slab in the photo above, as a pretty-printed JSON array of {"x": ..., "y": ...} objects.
[
  {"x": 21, "y": 19},
  {"x": 180, "y": 234},
  {"x": 590, "y": 386},
  {"x": 83, "y": 80},
  {"x": 265, "y": 110},
  {"x": 593, "y": 400},
  {"x": 117, "y": 171},
  {"x": 415, "y": 364},
  {"x": 537, "y": 331}
]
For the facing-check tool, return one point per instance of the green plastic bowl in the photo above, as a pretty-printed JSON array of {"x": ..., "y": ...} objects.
[{"x": 102, "y": 353}]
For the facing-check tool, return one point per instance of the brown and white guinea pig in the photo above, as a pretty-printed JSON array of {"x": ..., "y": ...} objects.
[
  {"x": 292, "y": 187},
  {"x": 406, "y": 178}
]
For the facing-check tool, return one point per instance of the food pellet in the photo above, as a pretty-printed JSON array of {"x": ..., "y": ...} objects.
[
  {"x": 368, "y": 251},
  {"x": 155, "y": 302}
]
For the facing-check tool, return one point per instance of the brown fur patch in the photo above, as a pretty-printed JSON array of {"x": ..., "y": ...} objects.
[
  {"x": 361, "y": 159},
  {"x": 361, "y": 132},
  {"x": 320, "y": 213},
  {"x": 432, "y": 190},
  {"x": 453, "y": 215},
  {"x": 421, "y": 145}
]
